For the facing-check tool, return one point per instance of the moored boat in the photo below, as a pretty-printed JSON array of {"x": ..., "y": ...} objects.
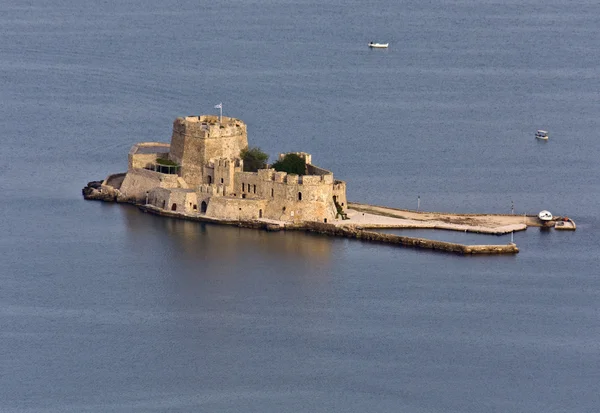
[{"x": 541, "y": 134}]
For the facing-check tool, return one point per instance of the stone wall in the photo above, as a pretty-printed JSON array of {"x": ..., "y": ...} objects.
[
  {"x": 174, "y": 199},
  {"x": 291, "y": 198},
  {"x": 236, "y": 208},
  {"x": 139, "y": 181}
]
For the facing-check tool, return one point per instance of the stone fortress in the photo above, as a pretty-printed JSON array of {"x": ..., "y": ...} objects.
[
  {"x": 200, "y": 176},
  {"x": 201, "y": 173}
]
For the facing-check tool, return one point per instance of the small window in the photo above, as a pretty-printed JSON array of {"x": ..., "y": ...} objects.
[
  {"x": 299, "y": 196},
  {"x": 272, "y": 193},
  {"x": 325, "y": 220},
  {"x": 221, "y": 180},
  {"x": 174, "y": 207},
  {"x": 254, "y": 189},
  {"x": 243, "y": 187}
]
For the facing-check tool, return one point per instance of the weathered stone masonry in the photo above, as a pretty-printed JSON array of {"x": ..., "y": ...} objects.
[{"x": 206, "y": 177}]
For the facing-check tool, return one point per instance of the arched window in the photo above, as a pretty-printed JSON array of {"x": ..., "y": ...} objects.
[
  {"x": 174, "y": 207},
  {"x": 203, "y": 207}
]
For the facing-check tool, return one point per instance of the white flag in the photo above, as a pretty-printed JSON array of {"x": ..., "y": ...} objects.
[{"x": 219, "y": 106}]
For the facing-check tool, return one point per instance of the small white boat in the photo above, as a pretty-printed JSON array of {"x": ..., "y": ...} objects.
[
  {"x": 541, "y": 134},
  {"x": 545, "y": 215},
  {"x": 378, "y": 45}
]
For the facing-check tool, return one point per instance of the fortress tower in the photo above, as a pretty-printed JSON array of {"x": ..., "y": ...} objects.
[{"x": 196, "y": 140}]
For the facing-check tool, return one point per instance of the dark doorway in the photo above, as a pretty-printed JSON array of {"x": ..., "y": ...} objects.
[
  {"x": 203, "y": 207},
  {"x": 174, "y": 207},
  {"x": 260, "y": 213}
]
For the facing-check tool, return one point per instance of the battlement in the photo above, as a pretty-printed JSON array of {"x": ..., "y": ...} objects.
[
  {"x": 208, "y": 126},
  {"x": 225, "y": 163},
  {"x": 284, "y": 177}
]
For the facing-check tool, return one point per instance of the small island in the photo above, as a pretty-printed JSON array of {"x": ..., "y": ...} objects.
[{"x": 208, "y": 173}]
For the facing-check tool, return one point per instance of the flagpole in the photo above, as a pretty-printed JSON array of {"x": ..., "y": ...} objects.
[{"x": 220, "y": 106}]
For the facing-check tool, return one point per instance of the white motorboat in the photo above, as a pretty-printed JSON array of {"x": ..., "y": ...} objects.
[
  {"x": 378, "y": 45},
  {"x": 541, "y": 134},
  {"x": 545, "y": 216}
]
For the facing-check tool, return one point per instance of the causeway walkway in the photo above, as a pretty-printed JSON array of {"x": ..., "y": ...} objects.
[{"x": 372, "y": 216}]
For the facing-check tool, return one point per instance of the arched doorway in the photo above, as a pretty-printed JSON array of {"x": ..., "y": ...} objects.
[
  {"x": 203, "y": 207},
  {"x": 260, "y": 213},
  {"x": 174, "y": 207}
]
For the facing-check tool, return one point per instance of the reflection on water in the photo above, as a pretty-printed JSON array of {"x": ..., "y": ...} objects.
[{"x": 196, "y": 240}]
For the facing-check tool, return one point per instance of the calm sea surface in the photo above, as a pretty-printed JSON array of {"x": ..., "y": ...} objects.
[{"x": 106, "y": 309}]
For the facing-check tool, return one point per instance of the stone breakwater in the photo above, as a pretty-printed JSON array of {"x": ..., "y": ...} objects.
[{"x": 347, "y": 232}]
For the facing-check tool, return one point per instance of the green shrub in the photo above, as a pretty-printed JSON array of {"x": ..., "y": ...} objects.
[
  {"x": 166, "y": 162},
  {"x": 292, "y": 164},
  {"x": 254, "y": 159}
]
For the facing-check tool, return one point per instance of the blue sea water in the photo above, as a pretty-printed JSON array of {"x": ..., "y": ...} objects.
[{"x": 106, "y": 309}]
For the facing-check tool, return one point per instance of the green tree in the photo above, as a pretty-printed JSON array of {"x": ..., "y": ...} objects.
[
  {"x": 292, "y": 164},
  {"x": 254, "y": 159}
]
